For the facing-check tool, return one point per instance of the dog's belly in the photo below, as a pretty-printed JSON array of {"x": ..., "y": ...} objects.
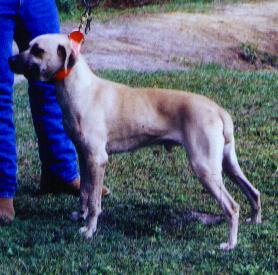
[{"x": 120, "y": 144}]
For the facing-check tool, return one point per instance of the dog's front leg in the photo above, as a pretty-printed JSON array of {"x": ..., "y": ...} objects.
[
  {"x": 85, "y": 180},
  {"x": 92, "y": 189}
]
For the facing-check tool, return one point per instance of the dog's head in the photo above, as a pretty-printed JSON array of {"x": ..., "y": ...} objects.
[{"x": 46, "y": 55}]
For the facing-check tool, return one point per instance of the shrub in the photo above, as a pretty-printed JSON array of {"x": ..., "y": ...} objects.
[
  {"x": 66, "y": 5},
  {"x": 248, "y": 53},
  {"x": 130, "y": 3},
  {"x": 69, "y": 5}
]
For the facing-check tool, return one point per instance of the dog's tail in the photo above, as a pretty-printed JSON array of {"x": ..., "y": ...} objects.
[
  {"x": 228, "y": 126},
  {"x": 230, "y": 162}
]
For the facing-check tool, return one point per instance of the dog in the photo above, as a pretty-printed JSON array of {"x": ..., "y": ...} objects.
[{"x": 103, "y": 117}]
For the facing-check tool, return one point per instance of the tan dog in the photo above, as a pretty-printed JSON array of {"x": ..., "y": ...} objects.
[{"x": 103, "y": 117}]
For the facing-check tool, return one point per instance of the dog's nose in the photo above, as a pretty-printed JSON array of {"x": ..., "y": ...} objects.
[
  {"x": 15, "y": 63},
  {"x": 12, "y": 61}
]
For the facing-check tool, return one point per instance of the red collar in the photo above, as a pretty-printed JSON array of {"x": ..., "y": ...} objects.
[
  {"x": 76, "y": 38},
  {"x": 62, "y": 74}
]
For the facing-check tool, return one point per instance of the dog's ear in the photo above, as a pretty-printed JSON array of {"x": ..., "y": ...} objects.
[{"x": 67, "y": 56}]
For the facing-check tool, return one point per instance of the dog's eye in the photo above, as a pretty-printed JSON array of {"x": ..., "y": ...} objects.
[{"x": 37, "y": 51}]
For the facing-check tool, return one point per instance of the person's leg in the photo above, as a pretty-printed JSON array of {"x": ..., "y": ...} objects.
[
  {"x": 57, "y": 153},
  {"x": 7, "y": 130}
]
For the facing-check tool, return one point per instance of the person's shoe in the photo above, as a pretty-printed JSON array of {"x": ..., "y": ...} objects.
[
  {"x": 7, "y": 212},
  {"x": 54, "y": 186},
  {"x": 105, "y": 191},
  {"x": 51, "y": 185}
]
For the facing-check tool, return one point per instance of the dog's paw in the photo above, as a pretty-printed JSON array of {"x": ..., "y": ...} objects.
[
  {"x": 87, "y": 232},
  {"x": 74, "y": 216},
  {"x": 227, "y": 246},
  {"x": 77, "y": 216},
  {"x": 83, "y": 229},
  {"x": 257, "y": 219},
  {"x": 88, "y": 235}
]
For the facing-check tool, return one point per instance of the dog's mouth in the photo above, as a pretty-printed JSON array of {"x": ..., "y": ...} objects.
[
  {"x": 32, "y": 72},
  {"x": 18, "y": 66}
]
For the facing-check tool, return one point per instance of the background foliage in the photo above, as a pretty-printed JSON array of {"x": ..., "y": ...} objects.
[{"x": 68, "y": 5}]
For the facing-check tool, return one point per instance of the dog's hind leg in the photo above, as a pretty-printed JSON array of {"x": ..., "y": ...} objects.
[
  {"x": 232, "y": 168},
  {"x": 205, "y": 153},
  {"x": 211, "y": 178}
]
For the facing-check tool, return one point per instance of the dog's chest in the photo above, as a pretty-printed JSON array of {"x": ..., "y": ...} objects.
[{"x": 71, "y": 113}]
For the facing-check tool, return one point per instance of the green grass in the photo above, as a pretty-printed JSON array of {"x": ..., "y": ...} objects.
[
  {"x": 142, "y": 230},
  {"x": 103, "y": 14}
]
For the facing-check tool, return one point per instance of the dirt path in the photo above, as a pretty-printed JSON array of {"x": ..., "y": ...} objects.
[{"x": 176, "y": 40}]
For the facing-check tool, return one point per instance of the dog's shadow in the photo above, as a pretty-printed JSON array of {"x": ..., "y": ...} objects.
[
  {"x": 146, "y": 219},
  {"x": 133, "y": 219}
]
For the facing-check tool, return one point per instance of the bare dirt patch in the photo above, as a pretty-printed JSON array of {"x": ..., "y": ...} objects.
[{"x": 176, "y": 40}]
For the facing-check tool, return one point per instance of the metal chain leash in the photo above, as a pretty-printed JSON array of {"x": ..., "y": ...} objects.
[{"x": 86, "y": 17}]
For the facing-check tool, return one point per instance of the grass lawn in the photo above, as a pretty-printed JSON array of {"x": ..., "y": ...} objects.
[{"x": 142, "y": 230}]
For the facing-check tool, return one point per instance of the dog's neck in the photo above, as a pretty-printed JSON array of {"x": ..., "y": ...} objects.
[{"x": 79, "y": 72}]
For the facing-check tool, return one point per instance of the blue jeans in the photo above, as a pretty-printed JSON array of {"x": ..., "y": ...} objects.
[{"x": 23, "y": 20}]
